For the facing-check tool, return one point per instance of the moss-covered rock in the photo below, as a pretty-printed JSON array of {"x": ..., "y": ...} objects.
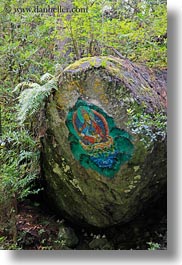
[{"x": 104, "y": 152}]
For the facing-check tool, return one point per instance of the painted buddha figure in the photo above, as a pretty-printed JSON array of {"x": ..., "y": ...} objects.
[
  {"x": 90, "y": 132},
  {"x": 96, "y": 141}
]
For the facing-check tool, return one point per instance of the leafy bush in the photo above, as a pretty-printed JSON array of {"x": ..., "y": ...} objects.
[{"x": 19, "y": 172}]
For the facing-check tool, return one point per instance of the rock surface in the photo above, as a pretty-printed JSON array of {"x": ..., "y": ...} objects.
[{"x": 104, "y": 151}]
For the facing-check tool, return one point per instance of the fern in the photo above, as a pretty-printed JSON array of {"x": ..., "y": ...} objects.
[
  {"x": 32, "y": 99},
  {"x": 25, "y": 85}
]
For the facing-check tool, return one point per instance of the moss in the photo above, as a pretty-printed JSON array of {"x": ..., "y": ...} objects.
[
  {"x": 112, "y": 65},
  {"x": 127, "y": 191},
  {"x": 90, "y": 61},
  {"x": 139, "y": 154},
  {"x": 138, "y": 177},
  {"x": 67, "y": 168},
  {"x": 75, "y": 183},
  {"x": 131, "y": 187},
  {"x": 136, "y": 168}
]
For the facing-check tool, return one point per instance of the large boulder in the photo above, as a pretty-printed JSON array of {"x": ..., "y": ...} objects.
[{"x": 104, "y": 151}]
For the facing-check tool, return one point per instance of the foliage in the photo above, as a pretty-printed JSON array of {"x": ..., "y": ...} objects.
[
  {"x": 20, "y": 167},
  {"x": 139, "y": 36},
  {"x": 5, "y": 244},
  {"x": 19, "y": 156},
  {"x": 151, "y": 126},
  {"x": 153, "y": 246},
  {"x": 32, "y": 43}
]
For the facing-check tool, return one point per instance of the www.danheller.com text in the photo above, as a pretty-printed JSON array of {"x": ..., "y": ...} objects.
[{"x": 49, "y": 9}]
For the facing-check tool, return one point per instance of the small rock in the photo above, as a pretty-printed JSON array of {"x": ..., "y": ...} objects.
[
  {"x": 101, "y": 243},
  {"x": 67, "y": 236}
]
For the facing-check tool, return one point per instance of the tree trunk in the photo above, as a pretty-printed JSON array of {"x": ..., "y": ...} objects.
[{"x": 104, "y": 151}]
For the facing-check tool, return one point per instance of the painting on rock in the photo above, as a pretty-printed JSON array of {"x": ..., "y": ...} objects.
[{"x": 95, "y": 141}]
